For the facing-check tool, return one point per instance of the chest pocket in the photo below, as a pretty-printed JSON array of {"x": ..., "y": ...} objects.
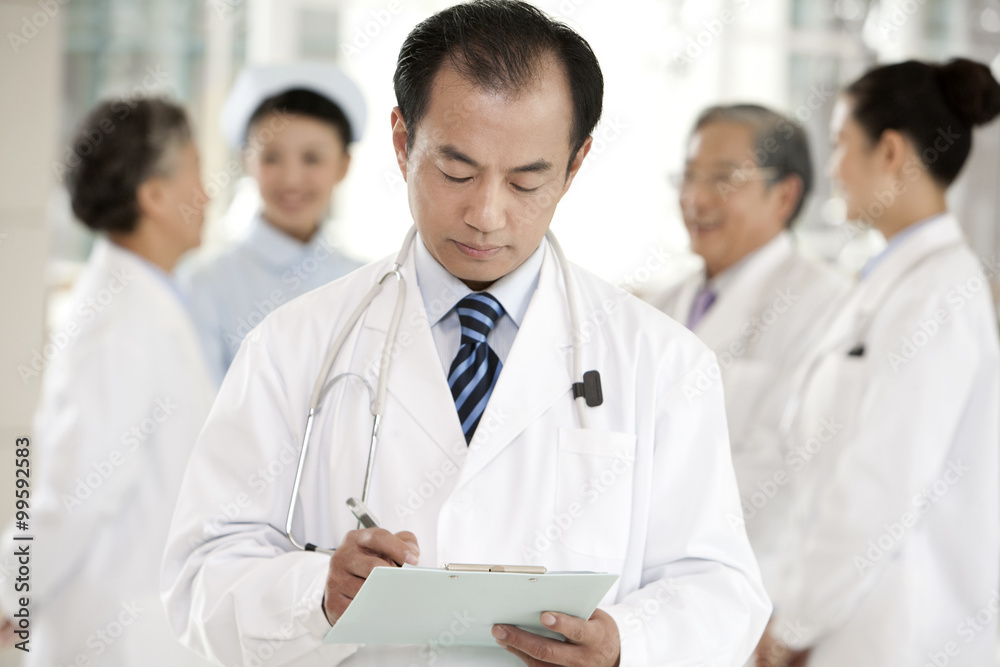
[{"x": 594, "y": 488}]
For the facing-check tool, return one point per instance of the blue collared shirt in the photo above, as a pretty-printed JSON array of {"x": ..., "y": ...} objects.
[
  {"x": 895, "y": 242},
  {"x": 232, "y": 292},
  {"x": 441, "y": 291}
]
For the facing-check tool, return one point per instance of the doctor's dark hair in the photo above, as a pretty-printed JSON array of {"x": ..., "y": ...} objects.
[
  {"x": 119, "y": 146},
  {"x": 497, "y": 45},
  {"x": 303, "y": 102},
  {"x": 933, "y": 105},
  {"x": 779, "y": 143}
]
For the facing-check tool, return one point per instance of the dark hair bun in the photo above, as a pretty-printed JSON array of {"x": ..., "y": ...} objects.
[{"x": 970, "y": 90}]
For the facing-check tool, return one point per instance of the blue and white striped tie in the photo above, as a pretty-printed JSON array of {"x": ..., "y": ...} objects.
[{"x": 476, "y": 367}]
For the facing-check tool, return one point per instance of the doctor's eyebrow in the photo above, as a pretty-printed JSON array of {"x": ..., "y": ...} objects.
[
  {"x": 536, "y": 167},
  {"x": 451, "y": 153},
  {"x": 725, "y": 164}
]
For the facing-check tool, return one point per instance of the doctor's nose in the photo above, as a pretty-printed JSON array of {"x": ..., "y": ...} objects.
[
  {"x": 486, "y": 209},
  {"x": 290, "y": 173},
  {"x": 697, "y": 199}
]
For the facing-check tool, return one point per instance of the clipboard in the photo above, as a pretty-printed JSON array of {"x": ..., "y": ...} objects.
[{"x": 414, "y": 605}]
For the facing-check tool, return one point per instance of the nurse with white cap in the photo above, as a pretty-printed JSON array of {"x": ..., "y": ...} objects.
[{"x": 294, "y": 124}]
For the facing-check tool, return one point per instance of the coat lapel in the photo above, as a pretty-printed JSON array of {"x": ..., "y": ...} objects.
[
  {"x": 537, "y": 372},
  {"x": 740, "y": 302},
  {"x": 864, "y": 300},
  {"x": 895, "y": 267},
  {"x": 416, "y": 379}
]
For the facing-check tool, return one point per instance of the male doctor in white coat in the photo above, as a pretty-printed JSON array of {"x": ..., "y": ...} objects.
[
  {"x": 496, "y": 107},
  {"x": 758, "y": 302}
]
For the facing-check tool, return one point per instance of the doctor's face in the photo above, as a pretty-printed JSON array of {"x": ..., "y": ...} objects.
[
  {"x": 728, "y": 208},
  {"x": 485, "y": 171},
  {"x": 853, "y": 166},
  {"x": 296, "y": 160},
  {"x": 181, "y": 204}
]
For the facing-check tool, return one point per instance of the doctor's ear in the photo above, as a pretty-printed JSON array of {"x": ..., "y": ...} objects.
[
  {"x": 399, "y": 139},
  {"x": 788, "y": 192},
  {"x": 577, "y": 162},
  {"x": 345, "y": 164},
  {"x": 151, "y": 197},
  {"x": 893, "y": 150}
]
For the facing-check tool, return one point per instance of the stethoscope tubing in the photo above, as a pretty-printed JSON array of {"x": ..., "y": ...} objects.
[{"x": 321, "y": 386}]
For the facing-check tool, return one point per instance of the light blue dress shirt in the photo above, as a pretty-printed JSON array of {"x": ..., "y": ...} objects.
[
  {"x": 894, "y": 243},
  {"x": 232, "y": 292},
  {"x": 441, "y": 291}
]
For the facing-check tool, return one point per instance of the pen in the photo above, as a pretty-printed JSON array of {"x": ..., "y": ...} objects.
[{"x": 364, "y": 514}]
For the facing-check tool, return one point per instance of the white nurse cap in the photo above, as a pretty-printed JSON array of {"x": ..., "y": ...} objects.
[{"x": 256, "y": 84}]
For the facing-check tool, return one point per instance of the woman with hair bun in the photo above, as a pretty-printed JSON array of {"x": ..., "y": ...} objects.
[
  {"x": 893, "y": 438},
  {"x": 123, "y": 398}
]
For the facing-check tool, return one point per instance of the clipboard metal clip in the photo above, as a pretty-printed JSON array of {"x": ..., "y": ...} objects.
[{"x": 515, "y": 569}]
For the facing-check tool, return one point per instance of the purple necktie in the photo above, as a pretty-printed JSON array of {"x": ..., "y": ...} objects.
[{"x": 703, "y": 300}]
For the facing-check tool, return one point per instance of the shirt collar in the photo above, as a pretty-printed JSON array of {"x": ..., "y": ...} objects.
[
  {"x": 274, "y": 247},
  {"x": 897, "y": 240},
  {"x": 441, "y": 290}
]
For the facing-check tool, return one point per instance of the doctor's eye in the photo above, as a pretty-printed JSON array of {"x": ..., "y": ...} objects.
[{"x": 455, "y": 179}]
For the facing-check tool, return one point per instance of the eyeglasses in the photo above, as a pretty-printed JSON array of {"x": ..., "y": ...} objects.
[{"x": 721, "y": 181}]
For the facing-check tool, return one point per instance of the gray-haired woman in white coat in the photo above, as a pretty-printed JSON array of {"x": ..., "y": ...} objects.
[{"x": 122, "y": 402}]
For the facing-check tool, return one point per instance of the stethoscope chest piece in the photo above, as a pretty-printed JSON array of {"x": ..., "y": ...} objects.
[{"x": 590, "y": 389}]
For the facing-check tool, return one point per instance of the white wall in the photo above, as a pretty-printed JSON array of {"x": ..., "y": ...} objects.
[
  {"x": 30, "y": 72},
  {"x": 620, "y": 211}
]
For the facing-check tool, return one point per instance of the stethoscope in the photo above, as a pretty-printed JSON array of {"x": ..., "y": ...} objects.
[{"x": 586, "y": 386}]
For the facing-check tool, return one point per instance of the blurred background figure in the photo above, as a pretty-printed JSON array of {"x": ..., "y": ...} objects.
[
  {"x": 757, "y": 301},
  {"x": 121, "y": 403},
  {"x": 293, "y": 124},
  {"x": 664, "y": 62},
  {"x": 896, "y": 550}
]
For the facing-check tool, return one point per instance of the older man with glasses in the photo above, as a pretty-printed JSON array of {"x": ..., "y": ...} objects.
[{"x": 758, "y": 302}]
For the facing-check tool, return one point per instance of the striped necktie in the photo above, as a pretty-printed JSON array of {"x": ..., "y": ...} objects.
[{"x": 476, "y": 367}]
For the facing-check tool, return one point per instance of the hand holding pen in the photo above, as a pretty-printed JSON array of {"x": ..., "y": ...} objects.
[{"x": 359, "y": 553}]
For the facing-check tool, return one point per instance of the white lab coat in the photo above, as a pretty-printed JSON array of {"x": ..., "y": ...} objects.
[
  {"x": 122, "y": 403},
  {"x": 768, "y": 313},
  {"x": 897, "y": 490},
  {"x": 689, "y": 591}
]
